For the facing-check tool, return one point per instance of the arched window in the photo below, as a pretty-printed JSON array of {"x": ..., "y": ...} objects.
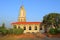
[
  {"x": 41, "y": 28},
  {"x": 18, "y": 26},
  {"x": 24, "y": 28},
  {"x": 35, "y": 27},
  {"x": 14, "y": 26},
  {"x": 29, "y": 27}
]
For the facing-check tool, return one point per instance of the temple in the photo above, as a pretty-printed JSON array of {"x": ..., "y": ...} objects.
[{"x": 28, "y": 27}]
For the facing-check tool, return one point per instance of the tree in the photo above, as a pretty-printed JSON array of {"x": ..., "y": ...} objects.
[
  {"x": 3, "y": 25},
  {"x": 51, "y": 20},
  {"x": 3, "y": 30}
]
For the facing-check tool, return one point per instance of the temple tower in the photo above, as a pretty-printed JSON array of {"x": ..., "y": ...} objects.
[{"x": 22, "y": 15}]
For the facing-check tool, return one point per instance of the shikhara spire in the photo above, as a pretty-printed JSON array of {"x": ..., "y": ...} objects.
[{"x": 22, "y": 14}]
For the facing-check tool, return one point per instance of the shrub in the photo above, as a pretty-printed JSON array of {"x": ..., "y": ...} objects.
[
  {"x": 4, "y": 31},
  {"x": 18, "y": 31},
  {"x": 15, "y": 31},
  {"x": 58, "y": 29},
  {"x": 10, "y": 31},
  {"x": 53, "y": 31}
]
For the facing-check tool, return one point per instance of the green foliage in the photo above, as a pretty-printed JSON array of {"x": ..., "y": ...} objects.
[
  {"x": 58, "y": 29},
  {"x": 15, "y": 31},
  {"x": 51, "y": 19},
  {"x": 10, "y": 31},
  {"x": 5, "y": 31},
  {"x": 18, "y": 31},
  {"x": 3, "y": 25},
  {"x": 53, "y": 31}
]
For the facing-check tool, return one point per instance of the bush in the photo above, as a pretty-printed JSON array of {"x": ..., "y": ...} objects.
[
  {"x": 58, "y": 29},
  {"x": 53, "y": 31},
  {"x": 10, "y": 31},
  {"x": 18, "y": 31},
  {"x": 4, "y": 31},
  {"x": 15, "y": 31}
]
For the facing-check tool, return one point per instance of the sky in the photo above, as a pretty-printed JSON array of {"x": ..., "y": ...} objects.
[{"x": 35, "y": 10}]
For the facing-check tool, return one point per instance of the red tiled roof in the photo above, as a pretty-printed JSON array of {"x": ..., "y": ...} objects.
[{"x": 26, "y": 23}]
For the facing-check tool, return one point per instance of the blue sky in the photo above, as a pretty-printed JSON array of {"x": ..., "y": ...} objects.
[{"x": 35, "y": 9}]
